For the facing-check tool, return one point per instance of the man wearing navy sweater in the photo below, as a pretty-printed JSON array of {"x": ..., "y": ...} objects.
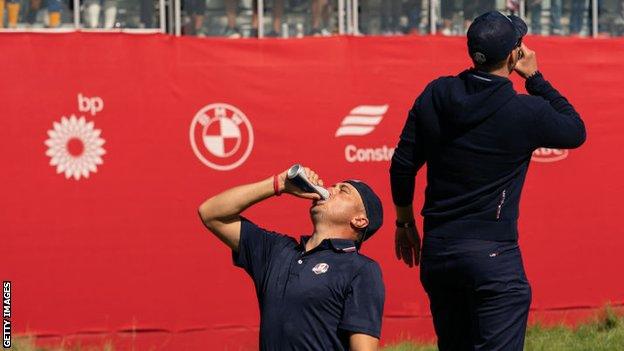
[{"x": 476, "y": 135}]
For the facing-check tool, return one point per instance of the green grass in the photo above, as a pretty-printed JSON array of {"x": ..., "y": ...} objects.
[
  {"x": 28, "y": 344},
  {"x": 604, "y": 333}
]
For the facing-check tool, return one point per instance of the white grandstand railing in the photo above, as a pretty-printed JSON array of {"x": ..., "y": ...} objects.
[
  {"x": 433, "y": 19},
  {"x": 161, "y": 15},
  {"x": 177, "y": 17},
  {"x": 356, "y": 17},
  {"x": 341, "y": 17},
  {"x": 348, "y": 13},
  {"x": 594, "y": 14},
  {"x": 349, "y": 16},
  {"x": 76, "y": 14},
  {"x": 260, "y": 18}
]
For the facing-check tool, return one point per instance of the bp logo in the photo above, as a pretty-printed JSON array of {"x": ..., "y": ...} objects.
[
  {"x": 75, "y": 147},
  {"x": 221, "y": 136}
]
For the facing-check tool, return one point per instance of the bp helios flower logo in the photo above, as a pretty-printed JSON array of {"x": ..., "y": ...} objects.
[{"x": 75, "y": 147}]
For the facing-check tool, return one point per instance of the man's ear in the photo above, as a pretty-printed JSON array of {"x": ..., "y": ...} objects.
[
  {"x": 512, "y": 60},
  {"x": 359, "y": 222}
]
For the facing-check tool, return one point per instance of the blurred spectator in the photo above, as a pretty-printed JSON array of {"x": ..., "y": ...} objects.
[
  {"x": 12, "y": 7},
  {"x": 391, "y": 13},
  {"x": 276, "y": 23},
  {"x": 195, "y": 9},
  {"x": 194, "y": 22},
  {"x": 610, "y": 20},
  {"x": 535, "y": 9},
  {"x": 391, "y": 17},
  {"x": 577, "y": 15},
  {"x": 320, "y": 17},
  {"x": 2, "y": 4},
  {"x": 556, "y": 7},
  {"x": 53, "y": 8},
  {"x": 93, "y": 9},
  {"x": 474, "y": 8},
  {"x": 2, "y": 7},
  {"x": 364, "y": 11},
  {"x": 513, "y": 6},
  {"x": 619, "y": 21},
  {"x": 231, "y": 11},
  {"x": 413, "y": 9},
  {"x": 603, "y": 18},
  {"x": 447, "y": 11},
  {"x": 147, "y": 13},
  {"x": 471, "y": 9}
]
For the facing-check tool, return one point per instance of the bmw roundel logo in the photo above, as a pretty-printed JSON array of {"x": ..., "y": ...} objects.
[{"x": 221, "y": 136}]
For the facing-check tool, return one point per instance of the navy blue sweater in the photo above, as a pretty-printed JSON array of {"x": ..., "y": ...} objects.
[{"x": 476, "y": 135}]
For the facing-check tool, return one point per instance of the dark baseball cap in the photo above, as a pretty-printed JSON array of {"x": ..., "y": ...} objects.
[
  {"x": 372, "y": 207},
  {"x": 493, "y": 35}
]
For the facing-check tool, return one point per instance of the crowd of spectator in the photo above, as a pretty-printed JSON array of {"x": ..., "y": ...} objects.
[
  {"x": 297, "y": 18},
  {"x": 287, "y": 18},
  {"x": 102, "y": 14},
  {"x": 244, "y": 13}
]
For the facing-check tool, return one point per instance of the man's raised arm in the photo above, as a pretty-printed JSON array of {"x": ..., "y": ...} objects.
[{"x": 221, "y": 213}]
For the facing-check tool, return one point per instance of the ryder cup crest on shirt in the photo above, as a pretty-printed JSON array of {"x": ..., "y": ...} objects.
[
  {"x": 221, "y": 136},
  {"x": 320, "y": 268}
]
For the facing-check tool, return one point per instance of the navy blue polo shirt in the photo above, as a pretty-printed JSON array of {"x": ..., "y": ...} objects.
[{"x": 310, "y": 300}]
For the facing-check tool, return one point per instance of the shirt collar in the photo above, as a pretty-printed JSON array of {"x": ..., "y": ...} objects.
[
  {"x": 484, "y": 76},
  {"x": 338, "y": 245}
]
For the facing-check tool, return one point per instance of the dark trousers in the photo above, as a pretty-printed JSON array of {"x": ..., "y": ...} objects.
[
  {"x": 478, "y": 291},
  {"x": 390, "y": 15},
  {"x": 147, "y": 13}
]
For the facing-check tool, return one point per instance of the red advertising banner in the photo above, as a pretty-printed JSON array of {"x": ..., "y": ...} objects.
[{"x": 110, "y": 142}]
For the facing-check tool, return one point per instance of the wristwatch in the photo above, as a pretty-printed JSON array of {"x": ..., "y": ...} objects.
[{"x": 408, "y": 224}]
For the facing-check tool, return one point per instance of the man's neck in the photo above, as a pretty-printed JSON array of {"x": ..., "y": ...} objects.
[
  {"x": 314, "y": 241},
  {"x": 501, "y": 72},
  {"x": 322, "y": 232}
]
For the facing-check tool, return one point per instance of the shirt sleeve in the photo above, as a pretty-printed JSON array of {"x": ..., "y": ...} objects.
[
  {"x": 255, "y": 248},
  {"x": 557, "y": 124},
  {"x": 408, "y": 157},
  {"x": 364, "y": 303}
]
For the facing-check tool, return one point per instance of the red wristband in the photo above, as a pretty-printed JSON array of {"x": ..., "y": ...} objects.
[{"x": 276, "y": 186}]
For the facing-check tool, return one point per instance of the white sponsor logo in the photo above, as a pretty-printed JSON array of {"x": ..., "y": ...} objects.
[
  {"x": 361, "y": 120},
  {"x": 544, "y": 154},
  {"x": 368, "y": 154},
  {"x": 221, "y": 136},
  {"x": 92, "y": 105},
  {"x": 320, "y": 268},
  {"x": 75, "y": 147}
]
